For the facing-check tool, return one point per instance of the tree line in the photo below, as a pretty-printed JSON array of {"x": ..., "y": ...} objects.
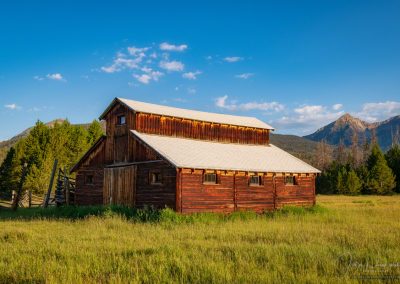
[
  {"x": 37, "y": 151},
  {"x": 361, "y": 168}
]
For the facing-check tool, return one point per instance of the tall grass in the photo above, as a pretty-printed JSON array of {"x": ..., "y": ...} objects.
[{"x": 345, "y": 239}]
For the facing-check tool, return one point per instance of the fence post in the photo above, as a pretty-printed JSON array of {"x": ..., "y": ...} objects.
[
  {"x": 29, "y": 198},
  {"x": 13, "y": 196},
  {"x": 53, "y": 172},
  {"x": 21, "y": 184}
]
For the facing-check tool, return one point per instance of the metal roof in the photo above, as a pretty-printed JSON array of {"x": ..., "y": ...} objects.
[
  {"x": 190, "y": 114},
  {"x": 198, "y": 154}
]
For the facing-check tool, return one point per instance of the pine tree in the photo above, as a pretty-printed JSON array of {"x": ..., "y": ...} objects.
[
  {"x": 380, "y": 177},
  {"x": 393, "y": 160},
  {"x": 7, "y": 178},
  {"x": 353, "y": 183},
  {"x": 94, "y": 132}
]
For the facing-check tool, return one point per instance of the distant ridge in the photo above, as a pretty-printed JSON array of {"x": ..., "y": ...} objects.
[{"x": 345, "y": 126}]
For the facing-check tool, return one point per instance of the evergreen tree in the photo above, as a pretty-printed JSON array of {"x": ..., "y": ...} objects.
[
  {"x": 393, "y": 161},
  {"x": 380, "y": 177},
  {"x": 353, "y": 183},
  {"x": 7, "y": 177},
  {"x": 94, "y": 132}
]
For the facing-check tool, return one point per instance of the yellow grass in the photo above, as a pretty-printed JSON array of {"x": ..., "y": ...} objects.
[{"x": 354, "y": 238}]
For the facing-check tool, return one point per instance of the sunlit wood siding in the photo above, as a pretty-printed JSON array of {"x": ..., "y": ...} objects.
[{"x": 179, "y": 127}]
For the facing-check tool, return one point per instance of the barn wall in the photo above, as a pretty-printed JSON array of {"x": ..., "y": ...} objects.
[
  {"x": 301, "y": 194},
  {"x": 233, "y": 192},
  {"x": 172, "y": 126},
  {"x": 159, "y": 196},
  {"x": 118, "y": 136},
  {"x": 91, "y": 194}
]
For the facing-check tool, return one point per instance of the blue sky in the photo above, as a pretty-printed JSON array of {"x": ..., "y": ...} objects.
[{"x": 294, "y": 64}]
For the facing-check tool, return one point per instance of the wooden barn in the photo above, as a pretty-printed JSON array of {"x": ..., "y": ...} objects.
[{"x": 190, "y": 161}]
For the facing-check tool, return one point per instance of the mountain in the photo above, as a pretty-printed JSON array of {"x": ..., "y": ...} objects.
[
  {"x": 298, "y": 146},
  {"x": 346, "y": 126}
]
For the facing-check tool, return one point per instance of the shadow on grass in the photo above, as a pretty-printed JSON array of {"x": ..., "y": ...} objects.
[{"x": 149, "y": 214}]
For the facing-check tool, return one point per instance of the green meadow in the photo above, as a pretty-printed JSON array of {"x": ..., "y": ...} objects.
[{"x": 344, "y": 239}]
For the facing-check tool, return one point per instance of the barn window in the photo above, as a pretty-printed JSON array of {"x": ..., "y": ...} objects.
[
  {"x": 290, "y": 180},
  {"x": 255, "y": 180},
  {"x": 121, "y": 120},
  {"x": 88, "y": 179},
  {"x": 155, "y": 178},
  {"x": 210, "y": 178}
]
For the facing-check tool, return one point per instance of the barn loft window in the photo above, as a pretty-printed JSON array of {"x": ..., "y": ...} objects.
[
  {"x": 155, "y": 178},
  {"x": 290, "y": 180},
  {"x": 210, "y": 178},
  {"x": 88, "y": 179},
  {"x": 121, "y": 120},
  {"x": 255, "y": 180}
]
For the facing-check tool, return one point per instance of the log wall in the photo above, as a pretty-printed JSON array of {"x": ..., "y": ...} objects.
[
  {"x": 157, "y": 195},
  {"x": 93, "y": 165},
  {"x": 233, "y": 192}
]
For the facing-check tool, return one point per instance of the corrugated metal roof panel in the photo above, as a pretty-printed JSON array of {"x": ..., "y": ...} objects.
[
  {"x": 189, "y": 153},
  {"x": 192, "y": 114}
]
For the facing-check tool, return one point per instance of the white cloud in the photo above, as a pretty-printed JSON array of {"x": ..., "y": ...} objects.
[
  {"x": 38, "y": 78},
  {"x": 55, "y": 76},
  {"x": 232, "y": 59},
  {"x": 172, "y": 65},
  {"x": 171, "y": 47},
  {"x": 122, "y": 61},
  {"x": 337, "y": 106},
  {"x": 244, "y": 76},
  {"x": 307, "y": 119},
  {"x": 137, "y": 51},
  {"x": 12, "y": 106},
  {"x": 378, "y": 111},
  {"x": 149, "y": 76},
  {"x": 222, "y": 102},
  {"x": 191, "y": 75}
]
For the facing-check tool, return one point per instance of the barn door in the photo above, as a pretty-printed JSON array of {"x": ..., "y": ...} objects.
[{"x": 120, "y": 186}]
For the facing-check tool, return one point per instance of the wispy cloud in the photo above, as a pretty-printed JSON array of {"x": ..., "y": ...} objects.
[
  {"x": 379, "y": 111},
  {"x": 12, "y": 106},
  {"x": 172, "y": 65},
  {"x": 51, "y": 76},
  {"x": 38, "y": 78},
  {"x": 222, "y": 102},
  {"x": 191, "y": 75},
  {"x": 121, "y": 61},
  {"x": 337, "y": 106},
  {"x": 244, "y": 75},
  {"x": 150, "y": 75},
  {"x": 171, "y": 47},
  {"x": 307, "y": 118},
  {"x": 232, "y": 59},
  {"x": 55, "y": 76}
]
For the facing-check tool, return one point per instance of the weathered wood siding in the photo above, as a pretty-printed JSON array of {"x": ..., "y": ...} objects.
[
  {"x": 179, "y": 127},
  {"x": 195, "y": 196},
  {"x": 118, "y": 137},
  {"x": 91, "y": 194},
  {"x": 303, "y": 193},
  {"x": 157, "y": 195},
  {"x": 233, "y": 192},
  {"x": 120, "y": 186}
]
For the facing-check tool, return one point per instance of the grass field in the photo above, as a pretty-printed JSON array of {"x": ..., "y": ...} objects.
[{"x": 344, "y": 239}]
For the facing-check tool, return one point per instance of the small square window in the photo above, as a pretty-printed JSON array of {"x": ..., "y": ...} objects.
[
  {"x": 121, "y": 120},
  {"x": 155, "y": 178},
  {"x": 255, "y": 180},
  {"x": 210, "y": 178},
  {"x": 290, "y": 180},
  {"x": 88, "y": 179}
]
